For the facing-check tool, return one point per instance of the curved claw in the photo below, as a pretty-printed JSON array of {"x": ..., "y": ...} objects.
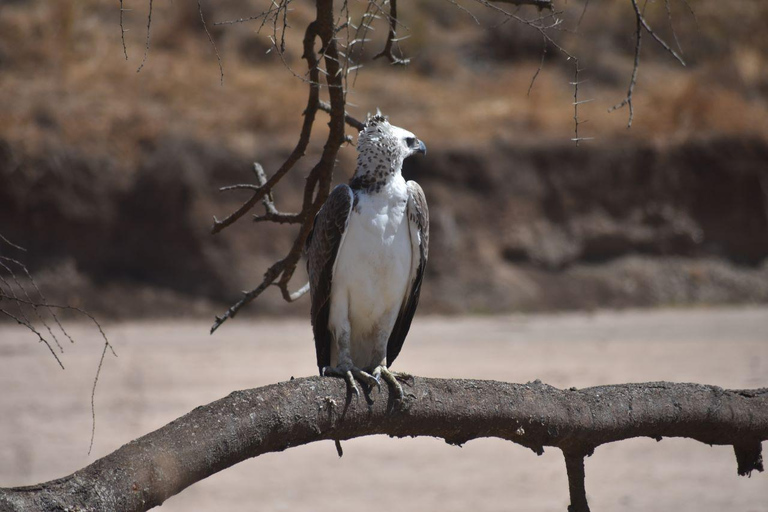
[{"x": 369, "y": 379}]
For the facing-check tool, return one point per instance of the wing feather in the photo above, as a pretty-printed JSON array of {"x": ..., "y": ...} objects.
[
  {"x": 418, "y": 220},
  {"x": 322, "y": 247}
]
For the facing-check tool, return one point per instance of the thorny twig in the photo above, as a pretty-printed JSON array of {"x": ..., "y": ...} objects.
[
  {"x": 392, "y": 38},
  {"x": 576, "y": 102},
  {"x": 122, "y": 30}
]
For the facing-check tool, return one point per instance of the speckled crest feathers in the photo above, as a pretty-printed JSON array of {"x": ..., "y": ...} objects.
[{"x": 380, "y": 154}]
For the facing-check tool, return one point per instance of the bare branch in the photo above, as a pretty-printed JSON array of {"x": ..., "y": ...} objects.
[
  {"x": 250, "y": 423},
  {"x": 122, "y": 30},
  {"x": 351, "y": 121},
  {"x": 210, "y": 38},
  {"x": 576, "y": 102},
  {"x": 583, "y": 13},
  {"x": 672, "y": 25},
  {"x": 392, "y": 38},
  {"x": 146, "y": 46},
  {"x": 8, "y": 294},
  {"x": 647, "y": 27},
  {"x": 628, "y": 99},
  {"x": 541, "y": 64}
]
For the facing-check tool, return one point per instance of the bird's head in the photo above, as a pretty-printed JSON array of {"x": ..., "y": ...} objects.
[{"x": 380, "y": 139}]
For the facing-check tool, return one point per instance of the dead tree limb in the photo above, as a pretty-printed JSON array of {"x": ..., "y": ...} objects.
[{"x": 146, "y": 472}]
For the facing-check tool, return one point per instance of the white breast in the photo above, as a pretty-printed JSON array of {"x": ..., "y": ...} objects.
[{"x": 372, "y": 268}]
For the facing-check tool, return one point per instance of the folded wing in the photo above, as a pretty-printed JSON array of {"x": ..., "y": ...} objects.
[
  {"x": 322, "y": 247},
  {"x": 418, "y": 221}
]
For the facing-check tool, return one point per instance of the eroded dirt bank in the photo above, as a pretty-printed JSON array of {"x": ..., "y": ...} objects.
[{"x": 515, "y": 227}]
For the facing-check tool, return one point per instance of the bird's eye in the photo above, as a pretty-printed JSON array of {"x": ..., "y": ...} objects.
[{"x": 411, "y": 141}]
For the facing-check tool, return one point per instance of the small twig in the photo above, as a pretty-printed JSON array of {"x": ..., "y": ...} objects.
[
  {"x": 465, "y": 10},
  {"x": 122, "y": 31},
  {"x": 576, "y": 102},
  {"x": 210, "y": 38},
  {"x": 31, "y": 328},
  {"x": 391, "y": 38},
  {"x": 12, "y": 244},
  {"x": 146, "y": 47},
  {"x": 647, "y": 27},
  {"x": 351, "y": 121},
  {"x": 22, "y": 319},
  {"x": 280, "y": 218},
  {"x": 581, "y": 18},
  {"x": 672, "y": 26},
  {"x": 263, "y": 15},
  {"x": 693, "y": 13},
  {"x": 26, "y": 294},
  {"x": 541, "y": 64},
  {"x": 628, "y": 99}
]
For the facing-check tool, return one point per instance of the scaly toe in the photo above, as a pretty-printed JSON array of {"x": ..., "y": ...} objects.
[
  {"x": 350, "y": 378},
  {"x": 403, "y": 377},
  {"x": 395, "y": 386}
]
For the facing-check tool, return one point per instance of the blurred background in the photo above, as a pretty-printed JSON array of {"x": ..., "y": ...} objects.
[{"x": 109, "y": 178}]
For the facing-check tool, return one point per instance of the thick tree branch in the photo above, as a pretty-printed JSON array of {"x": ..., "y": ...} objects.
[{"x": 144, "y": 473}]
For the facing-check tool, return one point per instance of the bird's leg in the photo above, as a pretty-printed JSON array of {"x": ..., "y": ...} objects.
[
  {"x": 344, "y": 367},
  {"x": 345, "y": 374}
]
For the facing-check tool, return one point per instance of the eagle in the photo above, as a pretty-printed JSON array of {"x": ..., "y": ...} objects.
[{"x": 366, "y": 256}]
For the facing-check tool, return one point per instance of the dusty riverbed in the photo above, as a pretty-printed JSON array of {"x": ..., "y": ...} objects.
[{"x": 165, "y": 369}]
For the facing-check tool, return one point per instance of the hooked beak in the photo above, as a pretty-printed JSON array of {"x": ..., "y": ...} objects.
[{"x": 421, "y": 149}]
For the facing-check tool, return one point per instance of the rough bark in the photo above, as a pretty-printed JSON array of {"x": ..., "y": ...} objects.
[{"x": 145, "y": 472}]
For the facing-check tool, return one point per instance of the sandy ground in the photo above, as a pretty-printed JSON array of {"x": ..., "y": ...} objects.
[{"x": 165, "y": 369}]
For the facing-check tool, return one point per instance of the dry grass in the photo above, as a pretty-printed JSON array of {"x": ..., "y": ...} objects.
[{"x": 66, "y": 82}]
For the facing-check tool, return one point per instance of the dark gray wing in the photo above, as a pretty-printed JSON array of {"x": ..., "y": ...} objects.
[
  {"x": 322, "y": 247},
  {"x": 418, "y": 220}
]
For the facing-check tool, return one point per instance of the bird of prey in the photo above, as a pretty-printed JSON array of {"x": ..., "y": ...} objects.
[{"x": 366, "y": 257}]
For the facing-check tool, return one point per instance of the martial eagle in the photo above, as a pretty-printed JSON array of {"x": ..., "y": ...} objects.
[{"x": 366, "y": 258}]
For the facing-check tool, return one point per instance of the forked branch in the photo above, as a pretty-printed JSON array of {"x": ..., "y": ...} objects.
[{"x": 642, "y": 24}]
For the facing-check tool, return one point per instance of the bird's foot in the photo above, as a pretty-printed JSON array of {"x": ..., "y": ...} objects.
[
  {"x": 350, "y": 375},
  {"x": 393, "y": 380}
]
